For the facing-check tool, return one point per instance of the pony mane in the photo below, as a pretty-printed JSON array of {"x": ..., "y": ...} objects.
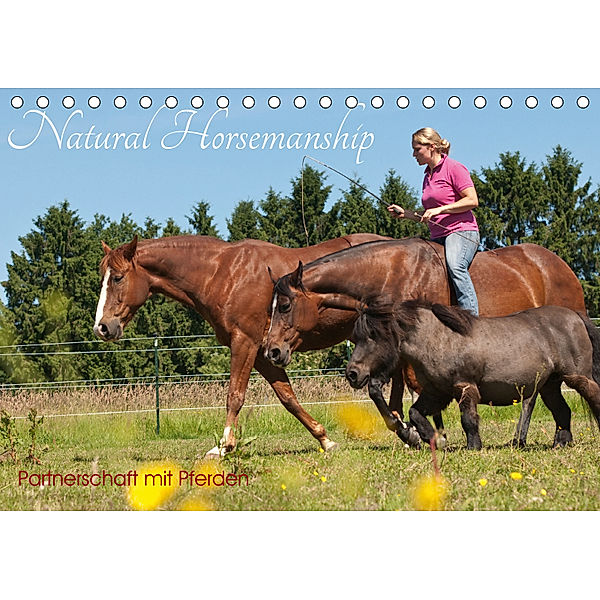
[
  {"x": 377, "y": 322},
  {"x": 378, "y": 318},
  {"x": 385, "y": 314},
  {"x": 455, "y": 318},
  {"x": 407, "y": 312}
]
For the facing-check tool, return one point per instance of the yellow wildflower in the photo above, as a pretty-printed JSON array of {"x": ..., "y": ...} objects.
[
  {"x": 516, "y": 476},
  {"x": 283, "y": 487},
  {"x": 430, "y": 493},
  {"x": 543, "y": 492},
  {"x": 359, "y": 421},
  {"x": 154, "y": 485},
  {"x": 483, "y": 482},
  {"x": 323, "y": 479}
]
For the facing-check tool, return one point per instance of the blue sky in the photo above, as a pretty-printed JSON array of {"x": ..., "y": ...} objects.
[{"x": 165, "y": 178}]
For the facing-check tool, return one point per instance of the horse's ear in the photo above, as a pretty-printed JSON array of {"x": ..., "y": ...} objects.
[
  {"x": 271, "y": 275},
  {"x": 129, "y": 249},
  {"x": 296, "y": 278},
  {"x": 105, "y": 247}
]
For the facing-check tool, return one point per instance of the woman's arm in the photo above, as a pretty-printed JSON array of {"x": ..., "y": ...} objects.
[{"x": 467, "y": 201}]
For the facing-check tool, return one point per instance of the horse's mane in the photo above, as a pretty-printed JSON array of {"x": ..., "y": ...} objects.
[
  {"x": 458, "y": 319},
  {"x": 379, "y": 315},
  {"x": 378, "y": 323},
  {"x": 115, "y": 260},
  {"x": 284, "y": 287},
  {"x": 341, "y": 254}
]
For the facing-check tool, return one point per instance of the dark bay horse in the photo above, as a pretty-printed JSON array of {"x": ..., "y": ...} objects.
[
  {"x": 318, "y": 302},
  {"x": 229, "y": 285},
  {"x": 503, "y": 360}
]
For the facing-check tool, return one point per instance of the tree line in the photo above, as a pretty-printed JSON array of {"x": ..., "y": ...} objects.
[{"x": 53, "y": 281}]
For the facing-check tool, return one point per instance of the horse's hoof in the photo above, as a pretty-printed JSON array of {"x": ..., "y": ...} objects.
[
  {"x": 440, "y": 442},
  {"x": 329, "y": 446},
  {"x": 408, "y": 434},
  {"x": 215, "y": 453},
  {"x": 414, "y": 439},
  {"x": 562, "y": 438}
]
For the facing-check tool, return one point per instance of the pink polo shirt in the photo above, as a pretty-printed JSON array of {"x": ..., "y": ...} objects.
[{"x": 442, "y": 187}]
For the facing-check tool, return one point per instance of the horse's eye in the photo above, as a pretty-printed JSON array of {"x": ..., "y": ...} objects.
[
  {"x": 118, "y": 278},
  {"x": 285, "y": 307}
]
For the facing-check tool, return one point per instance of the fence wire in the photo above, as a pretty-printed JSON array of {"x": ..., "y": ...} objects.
[{"x": 151, "y": 379}]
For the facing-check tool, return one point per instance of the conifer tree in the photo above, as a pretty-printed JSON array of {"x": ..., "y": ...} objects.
[
  {"x": 355, "y": 212},
  {"x": 276, "y": 220},
  {"x": 201, "y": 221},
  {"x": 511, "y": 201},
  {"x": 396, "y": 191},
  {"x": 244, "y": 222},
  {"x": 307, "y": 204}
]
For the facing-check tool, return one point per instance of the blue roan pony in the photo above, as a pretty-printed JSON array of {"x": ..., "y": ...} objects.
[{"x": 475, "y": 360}]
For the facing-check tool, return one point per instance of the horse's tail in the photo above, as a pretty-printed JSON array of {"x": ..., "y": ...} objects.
[{"x": 594, "y": 335}]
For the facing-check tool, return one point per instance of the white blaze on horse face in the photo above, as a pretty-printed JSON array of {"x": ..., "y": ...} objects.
[
  {"x": 102, "y": 299},
  {"x": 272, "y": 315}
]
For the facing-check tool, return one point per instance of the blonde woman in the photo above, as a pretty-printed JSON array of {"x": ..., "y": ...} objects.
[{"x": 448, "y": 198}]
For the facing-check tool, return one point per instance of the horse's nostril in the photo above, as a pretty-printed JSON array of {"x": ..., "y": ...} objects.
[
  {"x": 351, "y": 376},
  {"x": 274, "y": 353},
  {"x": 103, "y": 329}
]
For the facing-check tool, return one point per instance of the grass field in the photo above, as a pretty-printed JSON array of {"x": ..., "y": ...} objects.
[{"x": 371, "y": 470}]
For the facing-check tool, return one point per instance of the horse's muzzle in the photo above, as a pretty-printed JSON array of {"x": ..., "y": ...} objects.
[
  {"x": 109, "y": 331},
  {"x": 279, "y": 356},
  {"x": 355, "y": 378}
]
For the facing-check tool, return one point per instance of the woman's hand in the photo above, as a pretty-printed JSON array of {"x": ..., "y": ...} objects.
[
  {"x": 431, "y": 212},
  {"x": 397, "y": 212},
  {"x": 468, "y": 201}
]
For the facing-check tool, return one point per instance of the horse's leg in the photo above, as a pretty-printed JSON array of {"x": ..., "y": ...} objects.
[
  {"x": 554, "y": 400},
  {"x": 469, "y": 399},
  {"x": 396, "y": 396},
  {"x": 589, "y": 390},
  {"x": 439, "y": 424},
  {"x": 410, "y": 379},
  {"x": 418, "y": 412},
  {"x": 524, "y": 419},
  {"x": 407, "y": 434},
  {"x": 243, "y": 355},
  {"x": 280, "y": 383}
]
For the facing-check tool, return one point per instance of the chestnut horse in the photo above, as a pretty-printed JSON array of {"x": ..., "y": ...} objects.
[
  {"x": 506, "y": 281},
  {"x": 229, "y": 285}
]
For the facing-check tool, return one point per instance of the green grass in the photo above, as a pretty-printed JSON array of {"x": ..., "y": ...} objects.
[{"x": 286, "y": 471}]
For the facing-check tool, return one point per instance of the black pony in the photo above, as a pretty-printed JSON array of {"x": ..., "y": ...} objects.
[{"x": 475, "y": 360}]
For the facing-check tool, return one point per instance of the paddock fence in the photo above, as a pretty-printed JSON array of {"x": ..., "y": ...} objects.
[
  {"x": 155, "y": 381},
  {"x": 154, "y": 378}
]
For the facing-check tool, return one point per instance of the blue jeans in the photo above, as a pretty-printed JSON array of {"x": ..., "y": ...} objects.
[{"x": 460, "y": 249}]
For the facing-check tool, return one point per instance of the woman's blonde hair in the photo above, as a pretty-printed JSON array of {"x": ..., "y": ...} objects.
[{"x": 430, "y": 137}]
